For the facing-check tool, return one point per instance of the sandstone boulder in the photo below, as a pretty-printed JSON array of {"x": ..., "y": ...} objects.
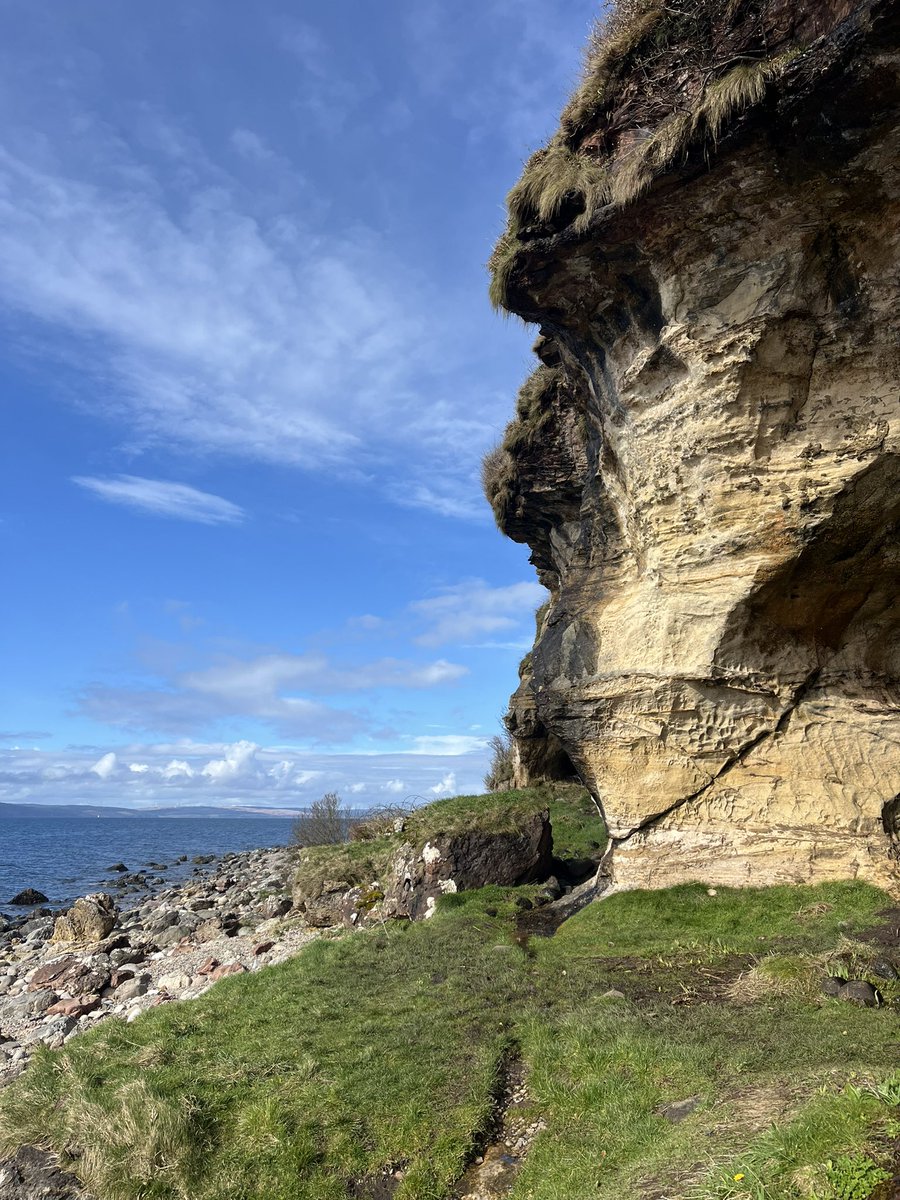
[{"x": 89, "y": 920}]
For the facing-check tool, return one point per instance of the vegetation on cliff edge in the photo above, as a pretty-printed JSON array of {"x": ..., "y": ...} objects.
[{"x": 660, "y": 80}]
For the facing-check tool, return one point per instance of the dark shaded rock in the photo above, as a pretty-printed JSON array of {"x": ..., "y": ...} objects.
[
  {"x": 26, "y": 1006},
  {"x": 552, "y": 890},
  {"x": 329, "y": 906},
  {"x": 29, "y": 896},
  {"x": 831, "y": 986},
  {"x": 277, "y": 906},
  {"x": 32, "y": 1174},
  {"x": 135, "y": 879},
  {"x": 884, "y": 968},
  {"x": 203, "y": 859},
  {"x": 860, "y": 992},
  {"x": 470, "y": 859},
  {"x": 117, "y": 867},
  {"x": 118, "y": 941}
]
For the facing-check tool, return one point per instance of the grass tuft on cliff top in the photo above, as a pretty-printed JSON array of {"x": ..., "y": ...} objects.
[
  {"x": 368, "y": 1065},
  {"x": 659, "y": 81}
]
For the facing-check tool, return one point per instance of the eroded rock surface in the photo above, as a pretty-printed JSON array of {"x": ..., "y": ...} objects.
[
  {"x": 416, "y": 874},
  {"x": 707, "y": 468}
]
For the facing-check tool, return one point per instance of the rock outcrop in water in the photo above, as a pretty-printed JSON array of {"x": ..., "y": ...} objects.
[{"x": 706, "y": 461}]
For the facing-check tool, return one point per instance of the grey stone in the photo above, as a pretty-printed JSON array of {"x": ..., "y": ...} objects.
[
  {"x": 28, "y": 897},
  {"x": 859, "y": 992},
  {"x": 831, "y": 986},
  {"x": 679, "y": 1109}
]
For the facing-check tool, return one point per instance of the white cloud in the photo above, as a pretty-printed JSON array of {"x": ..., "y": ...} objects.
[
  {"x": 446, "y": 786},
  {"x": 447, "y": 743},
  {"x": 242, "y": 772},
  {"x": 164, "y": 499},
  {"x": 268, "y": 675},
  {"x": 177, "y": 769},
  {"x": 199, "y": 320},
  {"x": 273, "y": 688},
  {"x": 238, "y": 760},
  {"x": 250, "y": 145},
  {"x": 472, "y": 610},
  {"x": 105, "y": 766},
  {"x": 520, "y": 97}
]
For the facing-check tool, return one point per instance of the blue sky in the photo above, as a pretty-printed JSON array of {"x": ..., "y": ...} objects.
[{"x": 250, "y": 371}]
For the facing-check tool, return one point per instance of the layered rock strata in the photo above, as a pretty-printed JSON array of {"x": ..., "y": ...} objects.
[{"x": 706, "y": 461}]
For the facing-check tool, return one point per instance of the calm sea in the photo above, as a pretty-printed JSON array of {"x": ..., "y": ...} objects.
[{"x": 64, "y": 857}]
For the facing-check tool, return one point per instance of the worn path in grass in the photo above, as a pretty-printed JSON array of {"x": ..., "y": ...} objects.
[{"x": 369, "y": 1064}]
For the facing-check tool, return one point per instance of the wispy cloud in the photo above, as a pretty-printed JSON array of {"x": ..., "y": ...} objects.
[
  {"x": 535, "y": 61},
  {"x": 216, "y": 327},
  {"x": 276, "y": 689},
  {"x": 472, "y": 611},
  {"x": 164, "y": 499}
]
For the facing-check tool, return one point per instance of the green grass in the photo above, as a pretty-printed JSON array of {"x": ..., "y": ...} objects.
[
  {"x": 380, "y": 1051},
  {"x": 576, "y": 826},
  {"x": 370, "y": 1051},
  {"x": 744, "y": 919},
  {"x": 601, "y": 1069},
  {"x": 578, "y": 829}
]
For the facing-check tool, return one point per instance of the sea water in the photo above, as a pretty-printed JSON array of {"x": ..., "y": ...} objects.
[{"x": 64, "y": 857}]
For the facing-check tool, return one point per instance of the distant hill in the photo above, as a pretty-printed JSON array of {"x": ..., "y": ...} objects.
[{"x": 97, "y": 810}]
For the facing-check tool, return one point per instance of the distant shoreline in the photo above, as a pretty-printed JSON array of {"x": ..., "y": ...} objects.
[{"x": 8, "y": 809}]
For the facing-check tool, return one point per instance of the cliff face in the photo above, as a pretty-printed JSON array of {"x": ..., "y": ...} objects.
[{"x": 706, "y": 463}]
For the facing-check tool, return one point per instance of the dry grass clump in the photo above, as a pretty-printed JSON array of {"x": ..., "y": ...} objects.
[
  {"x": 794, "y": 976},
  {"x": 660, "y": 80},
  {"x": 496, "y": 470},
  {"x": 499, "y": 777},
  {"x": 534, "y": 412},
  {"x": 381, "y": 822},
  {"x": 126, "y": 1139},
  {"x": 613, "y": 46},
  {"x": 556, "y": 179}
]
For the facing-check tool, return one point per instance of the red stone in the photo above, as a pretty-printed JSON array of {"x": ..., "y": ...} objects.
[
  {"x": 228, "y": 969},
  {"x": 208, "y": 967},
  {"x": 76, "y": 1007},
  {"x": 263, "y": 948},
  {"x": 52, "y": 972}
]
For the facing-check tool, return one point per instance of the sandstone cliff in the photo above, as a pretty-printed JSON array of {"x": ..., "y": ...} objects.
[{"x": 706, "y": 460}]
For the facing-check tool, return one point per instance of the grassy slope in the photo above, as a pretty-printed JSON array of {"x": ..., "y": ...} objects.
[
  {"x": 577, "y": 831},
  {"x": 382, "y": 1049}
]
